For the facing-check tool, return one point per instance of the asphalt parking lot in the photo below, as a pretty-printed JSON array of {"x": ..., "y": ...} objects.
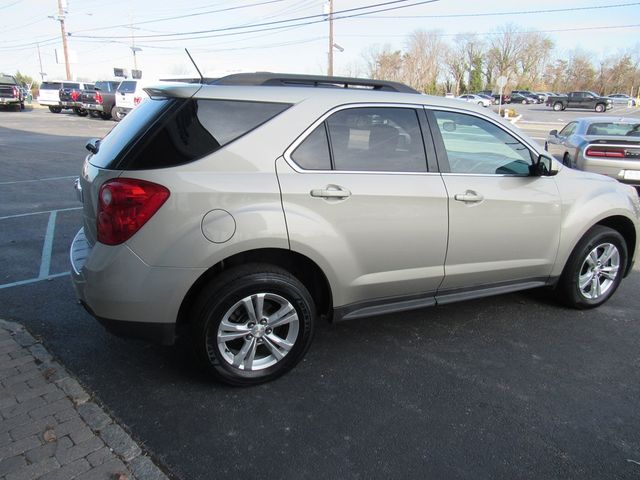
[{"x": 513, "y": 386}]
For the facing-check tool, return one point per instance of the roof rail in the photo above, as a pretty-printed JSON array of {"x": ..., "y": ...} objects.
[{"x": 293, "y": 80}]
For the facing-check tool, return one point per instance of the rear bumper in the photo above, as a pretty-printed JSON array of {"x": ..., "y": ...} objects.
[
  {"x": 49, "y": 103},
  {"x": 9, "y": 101},
  {"x": 625, "y": 171},
  {"x": 129, "y": 297},
  {"x": 93, "y": 107}
]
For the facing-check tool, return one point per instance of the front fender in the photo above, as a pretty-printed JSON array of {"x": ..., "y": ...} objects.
[{"x": 587, "y": 200}]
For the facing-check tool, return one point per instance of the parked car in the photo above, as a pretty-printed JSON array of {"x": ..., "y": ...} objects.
[
  {"x": 11, "y": 92},
  {"x": 101, "y": 101},
  {"x": 505, "y": 98},
  {"x": 606, "y": 145},
  {"x": 488, "y": 97},
  {"x": 129, "y": 94},
  {"x": 476, "y": 99},
  {"x": 520, "y": 98},
  {"x": 587, "y": 100},
  {"x": 238, "y": 213},
  {"x": 622, "y": 99},
  {"x": 62, "y": 94},
  {"x": 526, "y": 93}
]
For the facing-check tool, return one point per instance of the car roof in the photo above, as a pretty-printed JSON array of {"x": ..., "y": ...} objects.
[{"x": 608, "y": 119}]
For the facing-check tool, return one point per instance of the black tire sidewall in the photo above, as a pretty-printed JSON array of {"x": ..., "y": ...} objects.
[
  {"x": 213, "y": 309},
  {"x": 569, "y": 280}
]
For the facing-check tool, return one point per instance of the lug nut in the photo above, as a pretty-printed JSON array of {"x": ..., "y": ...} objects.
[
  {"x": 263, "y": 321},
  {"x": 268, "y": 331},
  {"x": 250, "y": 324},
  {"x": 249, "y": 337}
]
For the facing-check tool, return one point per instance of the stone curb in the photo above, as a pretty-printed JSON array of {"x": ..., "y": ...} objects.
[{"x": 119, "y": 443}]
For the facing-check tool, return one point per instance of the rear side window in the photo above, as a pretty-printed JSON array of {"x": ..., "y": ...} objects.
[
  {"x": 313, "y": 153},
  {"x": 89, "y": 86},
  {"x": 127, "y": 86},
  {"x": 184, "y": 131},
  {"x": 50, "y": 86}
]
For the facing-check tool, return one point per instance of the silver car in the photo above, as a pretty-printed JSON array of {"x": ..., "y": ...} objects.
[
  {"x": 239, "y": 213},
  {"x": 606, "y": 145}
]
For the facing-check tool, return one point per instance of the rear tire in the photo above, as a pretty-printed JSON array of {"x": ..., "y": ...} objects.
[
  {"x": 566, "y": 160},
  {"x": 80, "y": 111},
  {"x": 600, "y": 108},
  {"x": 557, "y": 106},
  {"x": 105, "y": 115},
  {"x": 252, "y": 324},
  {"x": 94, "y": 114},
  {"x": 55, "y": 109},
  {"x": 594, "y": 269},
  {"x": 116, "y": 114}
]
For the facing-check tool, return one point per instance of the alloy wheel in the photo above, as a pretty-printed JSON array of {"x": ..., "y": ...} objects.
[
  {"x": 599, "y": 271},
  {"x": 256, "y": 332}
]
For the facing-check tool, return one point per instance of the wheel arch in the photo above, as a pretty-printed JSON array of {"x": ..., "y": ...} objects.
[
  {"x": 301, "y": 266},
  {"x": 625, "y": 227}
]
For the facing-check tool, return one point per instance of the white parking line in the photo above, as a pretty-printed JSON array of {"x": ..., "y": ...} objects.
[
  {"x": 47, "y": 249},
  {"x": 38, "y": 180},
  {"x": 40, "y": 213}
]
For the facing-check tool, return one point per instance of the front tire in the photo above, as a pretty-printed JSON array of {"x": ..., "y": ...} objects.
[
  {"x": 594, "y": 270},
  {"x": 600, "y": 108},
  {"x": 252, "y": 324}
]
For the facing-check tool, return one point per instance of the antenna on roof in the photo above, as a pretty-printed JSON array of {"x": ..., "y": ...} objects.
[{"x": 194, "y": 64}]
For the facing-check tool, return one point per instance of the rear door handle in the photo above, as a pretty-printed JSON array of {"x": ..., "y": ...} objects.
[
  {"x": 330, "y": 191},
  {"x": 468, "y": 197}
]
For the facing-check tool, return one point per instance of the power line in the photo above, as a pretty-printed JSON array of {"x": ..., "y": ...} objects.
[
  {"x": 154, "y": 38},
  {"x": 276, "y": 22},
  {"x": 188, "y": 15},
  {"x": 524, "y": 12}
]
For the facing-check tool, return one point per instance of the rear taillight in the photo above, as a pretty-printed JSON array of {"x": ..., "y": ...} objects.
[
  {"x": 605, "y": 152},
  {"x": 15, "y": 92},
  {"x": 98, "y": 97},
  {"x": 74, "y": 95},
  {"x": 124, "y": 206},
  {"x": 137, "y": 100}
]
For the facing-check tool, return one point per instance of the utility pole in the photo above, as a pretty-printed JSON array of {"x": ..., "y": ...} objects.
[
  {"x": 330, "y": 66},
  {"x": 63, "y": 31},
  {"x": 42, "y": 74}
]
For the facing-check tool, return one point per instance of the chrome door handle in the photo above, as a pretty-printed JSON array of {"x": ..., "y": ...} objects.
[
  {"x": 330, "y": 191},
  {"x": 468, "y": 197}
]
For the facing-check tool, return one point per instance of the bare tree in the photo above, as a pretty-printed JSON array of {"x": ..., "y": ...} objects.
[
  {"x": 504, "y": 51},
  {"x": 422, "y": 60},
  {"x": 533, "y": 56},
  {"x": 456, "y": 61},
  {"x": 384, "y": 63}
]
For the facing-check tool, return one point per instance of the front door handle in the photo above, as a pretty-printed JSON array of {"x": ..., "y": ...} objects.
[
  {"x": 468, "y": 197},
  {"x": 330, "y": 191}
]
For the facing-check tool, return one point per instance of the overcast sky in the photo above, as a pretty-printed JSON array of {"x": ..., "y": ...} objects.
[{"x": 301, "y": 49}]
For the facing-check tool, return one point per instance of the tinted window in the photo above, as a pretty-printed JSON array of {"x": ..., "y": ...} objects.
[
  {"x": 50, "y": 86},
  {"x": 613, "y": 128},
  {"x": 377, "y": 139},
  {"x": 313, "y": 153},
  {"x": 227, "y": 120},
  {"x": 186, "y": 130},
  {"x": 71, "y": 85},
  {"x": 89, "y": 86},
  {"x": 127, "y": 86},
  {"x": 125, "y": 132},
  {"x": 475, "y": 145}
]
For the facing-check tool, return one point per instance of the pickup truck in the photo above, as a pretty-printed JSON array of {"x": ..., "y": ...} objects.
[
  {"x": 587, "y": 100},
  {"x": 100, "y": 101},
  {"x": 11, "y": 92},
  {"x": 62, "y": 94},
  {"x": 70, "y": 94}
]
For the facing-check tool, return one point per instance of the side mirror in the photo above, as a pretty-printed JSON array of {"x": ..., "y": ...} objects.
[
  {"x": 543, "y": 167},
  {"x": 553, "y": 133}
]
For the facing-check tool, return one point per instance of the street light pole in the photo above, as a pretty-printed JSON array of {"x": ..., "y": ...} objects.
[
  {"x": 63, "y": 31},
  {"x": 330, "y": 66},
  {"x": 42, "y": 74}
]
